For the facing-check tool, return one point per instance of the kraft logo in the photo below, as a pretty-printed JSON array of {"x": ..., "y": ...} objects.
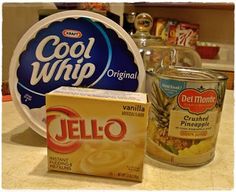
[
  {"x": 197, "y": 102},
  {"x": 74, "y": 52},
  {"x": 66, "y": 128},
  {"x": 71, "y": 33}
]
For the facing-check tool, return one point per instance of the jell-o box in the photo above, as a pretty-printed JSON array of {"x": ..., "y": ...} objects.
[{"x": 97, "y": 132}]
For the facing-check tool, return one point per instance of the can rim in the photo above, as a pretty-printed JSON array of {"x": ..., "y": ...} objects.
[{"x": 189, "y": 73}]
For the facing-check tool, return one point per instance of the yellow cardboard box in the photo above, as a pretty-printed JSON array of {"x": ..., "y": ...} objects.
[{"x": 97, "y": 132}]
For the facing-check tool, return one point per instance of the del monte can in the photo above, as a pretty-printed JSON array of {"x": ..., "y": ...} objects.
[
  {"x": 71, "y": 48},
  {"x": 185, "y": 114}
]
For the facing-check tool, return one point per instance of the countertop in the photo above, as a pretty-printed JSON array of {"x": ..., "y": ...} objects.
[
  {"x": 219, "y": 65},
  {"x": 25, "y": 164}
]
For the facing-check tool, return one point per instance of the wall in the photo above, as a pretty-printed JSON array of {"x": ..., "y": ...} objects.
[
  {"x": 17, "y": 19},
  {"x": 117, "y": 8},
  {"x": 216, "y": 25}
]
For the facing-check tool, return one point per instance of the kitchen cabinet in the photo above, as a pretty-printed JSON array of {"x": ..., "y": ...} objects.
[
  {"x": 222, "y": 66},
  {"x": 225, "y": 67},
  {"x": 216, "y": 22},
  {"x": 230, "y": 81},
  {"x": 191, "y": 5}
]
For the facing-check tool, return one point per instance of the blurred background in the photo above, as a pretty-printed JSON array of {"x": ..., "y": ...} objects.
[{"x": 212, "y": 23}]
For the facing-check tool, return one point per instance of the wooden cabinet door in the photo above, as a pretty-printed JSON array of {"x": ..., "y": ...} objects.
[{"x": 230, "y": 81}]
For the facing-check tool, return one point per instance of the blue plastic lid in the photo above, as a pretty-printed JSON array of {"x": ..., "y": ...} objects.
[{"x": 71, "y": 48}]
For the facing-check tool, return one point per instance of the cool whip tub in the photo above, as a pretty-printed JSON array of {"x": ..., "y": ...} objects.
[
  {"x": 97, "y": 132},
  {"x": 71, "y": 48}
]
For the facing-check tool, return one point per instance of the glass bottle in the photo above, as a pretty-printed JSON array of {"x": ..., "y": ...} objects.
[
  {"x": 143, "y": 24},
  {"x": 153, "y": 48}
]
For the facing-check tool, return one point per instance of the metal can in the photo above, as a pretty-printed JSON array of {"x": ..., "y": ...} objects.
[{"x": 185, "y": 114}]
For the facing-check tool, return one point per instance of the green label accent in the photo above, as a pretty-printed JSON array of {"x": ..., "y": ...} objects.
[{"x": 171, "y": 87}]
